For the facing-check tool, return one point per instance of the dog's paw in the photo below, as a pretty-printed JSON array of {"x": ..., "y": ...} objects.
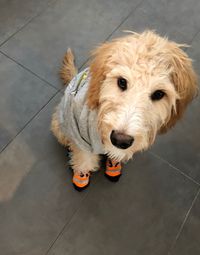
[
  {"x": 113, "y": 170},
  {"x": 81, "y": 181}
]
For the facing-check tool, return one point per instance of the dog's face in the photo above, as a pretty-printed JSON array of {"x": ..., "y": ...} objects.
[
  {"x": 134, "y": 105},
  {"x": 140, "y": 85}
]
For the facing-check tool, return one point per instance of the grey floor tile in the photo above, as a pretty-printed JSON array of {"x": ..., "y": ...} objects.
[
  {"x": 15, "y": 14},
  {"x": 36, "y": 194},
  {"x": 189, "y": 240},
  {"x": 79, "y": 24},
  {"x": 179, "y": 21},
  {"x": 182, "y": 16},
  {"x": 194, "y": 53},
  {"x": 141, "y": 214},
  {"x": 181, "y": 146},
  {"x": 22, "y": 96}
]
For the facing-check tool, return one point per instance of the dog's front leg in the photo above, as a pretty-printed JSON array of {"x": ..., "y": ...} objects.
[{"x": 83, "y": 163}]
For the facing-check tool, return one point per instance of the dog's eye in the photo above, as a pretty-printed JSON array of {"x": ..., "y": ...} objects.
[
  {"x": 122, "y": 83},
  {"x": 157, "y": 95}
]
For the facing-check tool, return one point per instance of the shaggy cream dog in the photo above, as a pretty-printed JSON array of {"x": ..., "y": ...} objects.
[{"x": 136, "y": 87}]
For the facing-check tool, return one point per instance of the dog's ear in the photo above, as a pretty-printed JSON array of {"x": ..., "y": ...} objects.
[
  {"x": 185, "y": 82},
  {"x": 98, "y": 70}
]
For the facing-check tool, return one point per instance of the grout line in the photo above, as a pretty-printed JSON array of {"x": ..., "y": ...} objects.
[
  {"x": 70, "y": 220},
  {"x": 57, "y": 92},
  {"x": 190, "y": 43},
  {"x": 66, "y": 224},
  {"x": 183, "y": 223},
  {"x": 29, "y": 21},
  {"x": 21, "y": 28},
  {"x": 117, "y": 27},
  {"x": 84, "y": 63},
  {"x": 136, "y": 7},
  {"x": 27, "y": 69},
  {"x": 175, "y": 168}
]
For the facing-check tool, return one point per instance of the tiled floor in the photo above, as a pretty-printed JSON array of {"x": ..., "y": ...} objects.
[{"x": 155, "y": 207}]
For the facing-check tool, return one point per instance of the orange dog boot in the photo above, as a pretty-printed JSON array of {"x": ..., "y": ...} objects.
[
  {"x": 81, "y": 181},
  {"x": 113, "y": 170}
]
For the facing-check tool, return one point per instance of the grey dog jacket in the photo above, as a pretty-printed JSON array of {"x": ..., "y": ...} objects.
[{"x": 76, "y": 120}]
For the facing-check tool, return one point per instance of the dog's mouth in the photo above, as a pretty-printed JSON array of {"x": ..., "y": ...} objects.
[{"x": 121, "y": 140}]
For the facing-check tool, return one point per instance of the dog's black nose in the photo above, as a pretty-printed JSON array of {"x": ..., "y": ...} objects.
[{"x": 121, "y": 140}]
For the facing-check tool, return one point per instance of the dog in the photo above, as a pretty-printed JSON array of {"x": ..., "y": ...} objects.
[{"x": 136, "y": 87}]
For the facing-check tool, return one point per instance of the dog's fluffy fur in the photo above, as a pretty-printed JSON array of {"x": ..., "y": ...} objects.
[{"x": 148, "y": 62}]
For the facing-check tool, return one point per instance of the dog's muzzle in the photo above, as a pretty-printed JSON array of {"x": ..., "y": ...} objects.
[{"x": 120, "y": 140}]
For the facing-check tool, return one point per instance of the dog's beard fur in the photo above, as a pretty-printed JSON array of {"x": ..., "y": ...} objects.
[{"x": 132, "y": 111}]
